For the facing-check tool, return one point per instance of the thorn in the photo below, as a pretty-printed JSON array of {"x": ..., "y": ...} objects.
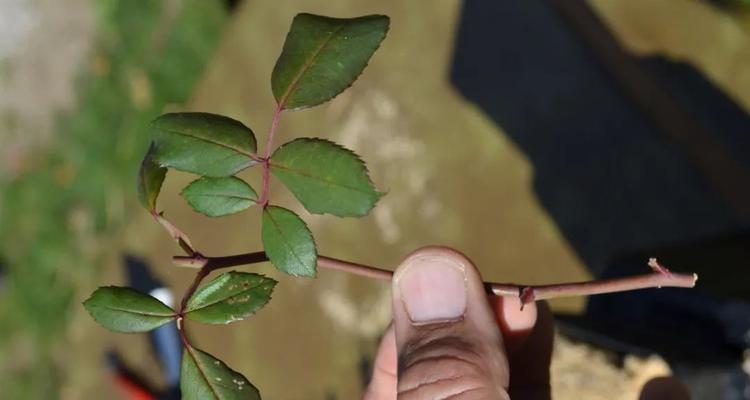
[
  {"x": 657, "y": 267},
  {"x": 526, "y": 295}
]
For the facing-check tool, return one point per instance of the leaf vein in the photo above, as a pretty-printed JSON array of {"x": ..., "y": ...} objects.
[
  {"x": 308, "y": 64},
  {"x": 320, "y": 179},
  {"x": 202, "y": 306},
  {"x": 220, "y": 144},
  {"x": 233, "y": 196},
  {"x": 146, "y": 313},
  {"x": 203, "y": 374},
  {"x": 286, "y": 244}
]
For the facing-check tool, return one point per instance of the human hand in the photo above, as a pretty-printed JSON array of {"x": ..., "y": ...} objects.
[
  {"x": 445, "y": 337},
  {"x": 446, "y": 343}
]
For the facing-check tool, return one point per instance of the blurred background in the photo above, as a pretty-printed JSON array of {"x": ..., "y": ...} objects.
[{"x": 549, "y": 140}]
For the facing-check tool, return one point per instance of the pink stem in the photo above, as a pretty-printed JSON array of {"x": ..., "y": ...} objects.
[
  {"x": 272, "y": 131},
  {"x": 527, "y": 293},
  {"x": 265, "y": 185}
]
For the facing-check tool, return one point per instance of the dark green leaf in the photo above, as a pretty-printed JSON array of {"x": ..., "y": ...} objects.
[
  {"x": 288, "y": 243},
  {"x": 202, "y": 143},
  {"x": 325, "y": 177},
  {"x": 230, "y": 297},
  {"x": 123, "y": 309},
  {"x": 204, "y": 377},
  {"x": 216, "y": 197},
  {"x": 150, "y": 178},
  {"x": 322, "y": 56}
]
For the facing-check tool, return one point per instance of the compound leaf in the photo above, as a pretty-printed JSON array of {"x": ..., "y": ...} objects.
[
  {"x": 216, "y": 197},
  {"x": 322, "y": 56},
  {"x": 287, "y": 242},
  {"x": 202, "y": 143},
  {"x": 203, "y": 376},
  {"x": 150, "y": 178},
  {"x": 325, "y": 177},
  {"x": 230, "y": 297},
  {"x": 127, "y": 310}
]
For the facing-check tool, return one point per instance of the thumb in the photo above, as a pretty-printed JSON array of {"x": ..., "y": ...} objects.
[{"x": 448, "y": 343}]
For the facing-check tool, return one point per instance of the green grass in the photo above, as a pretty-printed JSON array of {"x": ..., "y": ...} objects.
[{"x": 74, "y": 195}]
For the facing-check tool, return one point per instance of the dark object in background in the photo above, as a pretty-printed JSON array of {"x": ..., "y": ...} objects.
[
  {"x": 130, "y": 384},
  {"x": 702, "y": 335},
  {"x": 2, "y": 275},
  {"x": 165, "y": 342},
  {"x": 608, "y": 176},
  {"x": 165, "y": 339},
  {"x": 628, "y": 154},
  {"x": 232, "y": 4},
  {"x": 668, "y": 321}
]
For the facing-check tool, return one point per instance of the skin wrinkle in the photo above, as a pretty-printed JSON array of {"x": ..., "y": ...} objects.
[
  {"x": 463, "y": 394},
  {"x": 473, "y": 383},
  {"x": 420, "y": 348},
  {"x": 427, "y": 362},
  {"x": 452, "y": 367}
]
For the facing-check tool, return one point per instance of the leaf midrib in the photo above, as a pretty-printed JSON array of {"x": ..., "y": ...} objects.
[
  {"x": 220, "y": 144},
  {"x": 233, "y": 196},
  {"x": 291, "y": 250},
  {"x": 189, "y": 310},
  {"x": 307, "y": 65},
  {"x": 145, "y": 313},
  {"x": 317, "y": 178},
  {"x": 203, "y": 374}
]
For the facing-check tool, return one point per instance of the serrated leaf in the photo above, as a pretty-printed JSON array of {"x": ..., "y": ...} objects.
[
  {"x": 325, "y": 177},
  {"x": 287, "y": 242},
  {"x": 150, "y": 178},
  {"x": 202, "y": 143},
  {"x": 203, "y": 376},
  {"x": 230, "y": 297},
  {"x": 127, "y": 310},
  {"x": 217, "y": 197},
  {"x": 322, "y": 56}
]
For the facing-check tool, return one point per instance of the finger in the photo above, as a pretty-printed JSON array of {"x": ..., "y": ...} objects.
[
  {"x": 515, "y": 322},
  {"x": 447, "y": 338},
  {"x": 383, "y": 383},
  {"x": 528, "y": 336},
  {"x": 664, "y": 388},
  {"x": 529, "y": 360}
]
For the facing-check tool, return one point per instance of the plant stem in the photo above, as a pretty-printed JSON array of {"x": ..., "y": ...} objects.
[
  {"x": 264, "y": 192},
  {"x": 660, "y": 277},
  {"x": 207, "y": 265},
  {"x": 272, "y": 131},
  {"x": 265, "y": 185},
  {"x": 199, "y": 276}
]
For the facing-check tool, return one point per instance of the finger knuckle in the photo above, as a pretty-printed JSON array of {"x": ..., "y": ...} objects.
[{"x": 446, "y": 368}]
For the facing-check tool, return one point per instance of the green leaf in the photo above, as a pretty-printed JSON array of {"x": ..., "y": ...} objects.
[
  {"x": 123, "y": 309},
  {"x": 287, "y": 242},
  {"x": 325, "y": 177},
  {"x": 322, "y": 56},
  {"x": 202, "y": 143},
  {"x": 230, "y": 297},
  {"x": 216, "y": 197},
  {"x": 150, "y": 178},
  {"x": 203, "y": 376}
]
